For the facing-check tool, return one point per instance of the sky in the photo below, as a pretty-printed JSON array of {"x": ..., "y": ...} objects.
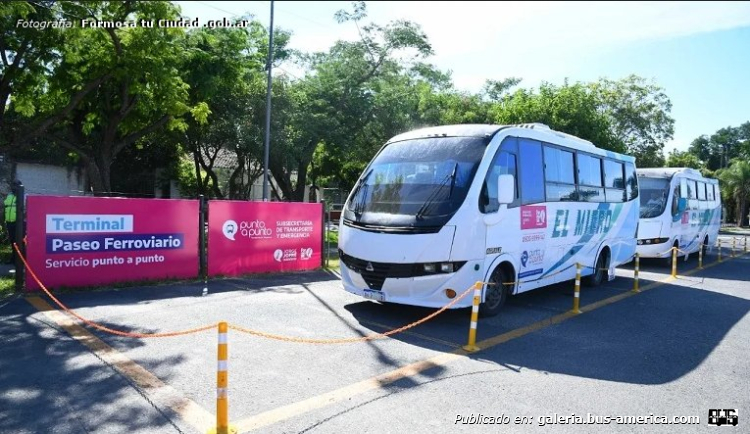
[{"x": 698, "y": 52}]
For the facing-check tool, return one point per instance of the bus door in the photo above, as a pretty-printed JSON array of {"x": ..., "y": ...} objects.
[
  {"x": 534, "y": 225},
  {"x": 501, "y": 237}
]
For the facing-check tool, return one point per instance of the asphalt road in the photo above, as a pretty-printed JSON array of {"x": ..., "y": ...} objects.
[{"x": 679, "y": 348}]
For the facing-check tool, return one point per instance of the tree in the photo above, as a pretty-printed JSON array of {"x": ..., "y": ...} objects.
[
  {"x": 26, "y": 51},
  {"x": 224, "y": 69},
  {"x": 628, "y": 116},
  {"x": 683, "y": 159},
  {"x": 112, "y": 86},
  {"x": 574, "y": 109},
  {"x": 639, "y": 115},
  {"x": 736, "y": 184},
  {"x": 337, "y": 102},
  {"x": 722, "y": 146}
]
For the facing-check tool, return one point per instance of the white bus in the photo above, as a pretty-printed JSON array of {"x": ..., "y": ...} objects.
[
  {"x": 441, "y": 208},
  {"x": 679, "y": 208}
]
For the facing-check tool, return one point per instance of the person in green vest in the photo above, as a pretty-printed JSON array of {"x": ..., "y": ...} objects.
[{"x": 9, "y": 204}]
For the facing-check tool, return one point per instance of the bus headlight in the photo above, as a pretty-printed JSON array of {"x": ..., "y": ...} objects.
[
  {"x": 439, "y": 267},
  {"x": 653, "y": 241}
]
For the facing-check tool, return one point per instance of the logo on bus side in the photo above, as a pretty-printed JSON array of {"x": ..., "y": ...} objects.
[
  {"x": 588, "y": 222},
  {"x": 533, "y": 217}
]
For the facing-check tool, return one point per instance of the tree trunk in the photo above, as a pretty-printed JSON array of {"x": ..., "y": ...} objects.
[
  {"x": 198, "y": 178},
  {"x": 743, "y": 220},
  {"x": 299, "y": 191},
  {"x": 98, "y": 173},
  {"x": 282, "y": 180}
]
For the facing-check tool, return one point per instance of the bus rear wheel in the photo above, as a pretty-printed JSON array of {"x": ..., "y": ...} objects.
[{"x": 496, "y": 294}]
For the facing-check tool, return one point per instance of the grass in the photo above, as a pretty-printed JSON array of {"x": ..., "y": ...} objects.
[
  {"x": 333, "y": 264},
  {"x": 735, "y": 230},
  {"x": 7, "y": 285},
  {"x": 332, "y": 237},
  {"x": 5, "y": 250}
]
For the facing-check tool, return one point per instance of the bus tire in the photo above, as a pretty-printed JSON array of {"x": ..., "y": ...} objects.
[
  {"x": 496, "y": 293},
  {"x": 600, "y": 270},
  {"x": 704, "y": 246}
]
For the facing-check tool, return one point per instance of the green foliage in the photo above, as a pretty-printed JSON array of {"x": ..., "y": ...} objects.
[
  {"x": 683, "y": 159},
  {"x": 107, "y": 87},
  {"x": 196, "y": 101},
  {"x": 186, "y": 179},
  {"x": 225, "y": 70},
  {"x": 573, "y": 109},
  {"x": 627, "y": 116},
  {"x": 735, "y": 184},
  {"x": 28, "y": 53},
  {"x": 639, "y": 116},
  {"x": 356, "y": 96},
  {"x": 717, "y": 150}
]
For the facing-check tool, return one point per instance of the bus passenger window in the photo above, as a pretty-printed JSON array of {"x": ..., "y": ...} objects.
[{"x": 532, "y": 171}]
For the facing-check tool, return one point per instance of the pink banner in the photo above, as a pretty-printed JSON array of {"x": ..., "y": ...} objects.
[
  {"x": 257, "y": 237},
  {"x": 83, "y": 241},
  {"x": 533, "y": 217}
]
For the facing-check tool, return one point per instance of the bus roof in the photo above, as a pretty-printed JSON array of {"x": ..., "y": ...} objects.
[
  {"x": 541, "y": 132},
  {"x": 466, "y": 130},
  {"x": 669, "y": 172}
]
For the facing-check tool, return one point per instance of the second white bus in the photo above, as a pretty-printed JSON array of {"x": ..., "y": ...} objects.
[
  {"x": 441, "y": 208},
  {"x": 679, "y": 208}
]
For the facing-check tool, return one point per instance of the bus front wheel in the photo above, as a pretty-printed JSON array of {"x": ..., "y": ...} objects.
[
  {"x": 600, "y": 270},
  {"x": 496, "y": 293}
]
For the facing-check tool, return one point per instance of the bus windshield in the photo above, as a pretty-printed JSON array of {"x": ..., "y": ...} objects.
[
  {"x": 419, "y": 182},
  {"x": 653, "y": 193}
]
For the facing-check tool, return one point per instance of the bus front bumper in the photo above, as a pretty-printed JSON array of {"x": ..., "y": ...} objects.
[
  {"x": 425, "y": 291},
  {"x": 660, "y": 250}
]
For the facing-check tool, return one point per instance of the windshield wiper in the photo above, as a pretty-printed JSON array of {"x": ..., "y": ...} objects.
[
  {"x": 431, "y": 198},
  {"x": 453, "y": 180},
  {"x": 359, "y": 205}
]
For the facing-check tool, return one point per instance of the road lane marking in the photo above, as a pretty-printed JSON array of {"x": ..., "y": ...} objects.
[
  {"x": 289, "y": 411},
  {"x": 161, "y": 393}
]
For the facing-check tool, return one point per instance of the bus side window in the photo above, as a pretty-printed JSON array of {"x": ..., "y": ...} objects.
[
  {"x": 675, "y": 199},
  {"x": 503, "y": 164},
  {"x": 531, "y": 171},
  {"x": 614, "y": 181}
]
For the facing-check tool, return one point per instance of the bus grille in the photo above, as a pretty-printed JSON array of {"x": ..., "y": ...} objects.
[{"x": 375, "y": 273}]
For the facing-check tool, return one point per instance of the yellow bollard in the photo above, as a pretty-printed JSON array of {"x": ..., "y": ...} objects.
[
  {"x": 577, "y": 294},
  {"x": 472, "y": 345},
  {"x": 719, "y": 244},
  {"x": 674, "y": 261},
  {"x": 700, "y": 257},
  {"x": 222, "y": 380},
  {"x": 635, "y": 275}
]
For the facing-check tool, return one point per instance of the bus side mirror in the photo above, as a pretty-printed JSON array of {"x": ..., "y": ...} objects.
[
  {"x": 506, "y": 189},
  {"x": 681, "y": 204}
]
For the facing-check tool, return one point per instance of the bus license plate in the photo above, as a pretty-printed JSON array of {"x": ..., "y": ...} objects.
[{"x": 374, "y": 295}]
